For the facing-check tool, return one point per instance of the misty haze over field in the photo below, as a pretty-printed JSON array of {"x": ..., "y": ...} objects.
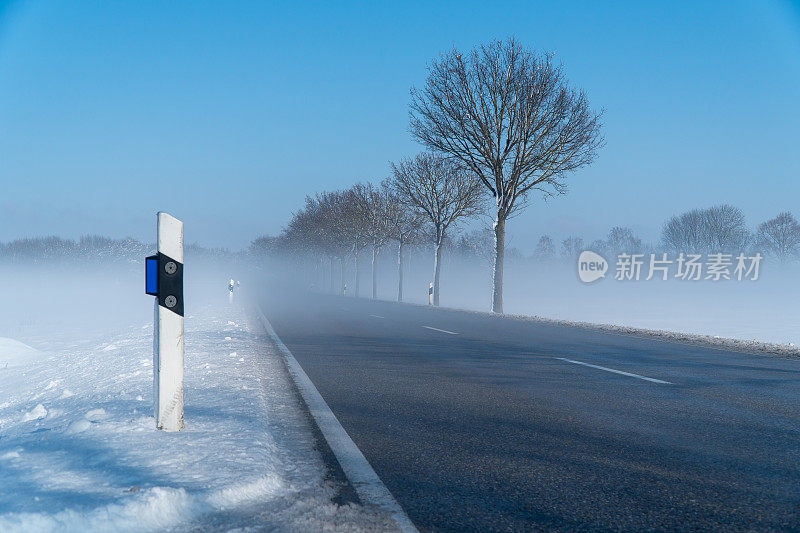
[{"x": 62, "y": 277}]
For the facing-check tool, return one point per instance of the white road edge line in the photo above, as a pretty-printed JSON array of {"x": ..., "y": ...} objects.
[
  {"x": 366, "y": 482},
  {"x": 442, "y": 330},
  {"x": 654, "y": 380},
  {"x": 378, "y": 316}
]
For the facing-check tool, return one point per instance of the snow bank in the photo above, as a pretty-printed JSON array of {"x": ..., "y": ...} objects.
[
  {"x": 14, "y": 353},
  {"x": 79, "y": 450}
]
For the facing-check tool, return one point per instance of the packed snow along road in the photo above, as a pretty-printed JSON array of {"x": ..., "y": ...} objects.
[{"x": 79, "y": 450}]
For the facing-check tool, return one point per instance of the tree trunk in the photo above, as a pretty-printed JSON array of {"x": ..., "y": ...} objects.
[
  {"x": 400, "y": 272},
  {"x": 331, "y": 280},
  {"x": 437, "y": 267},
  {"x": 344, "y": 269},
  {"x": 358, "y": 275},
  {"x": 499, "y": 258},
  {"x": 374, "y": 272}
]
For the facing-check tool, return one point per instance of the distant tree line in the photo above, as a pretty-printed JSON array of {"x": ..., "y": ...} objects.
[
  {"x": 90, "y": 248},
  {"x": 717, "y": 229}
]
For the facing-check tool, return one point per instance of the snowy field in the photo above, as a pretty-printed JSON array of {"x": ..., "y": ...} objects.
[
  {"x": 766, "y": 310},
  {"x": 78, "y": 445}
]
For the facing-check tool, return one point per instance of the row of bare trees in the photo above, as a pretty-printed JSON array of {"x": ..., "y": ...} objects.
[
  {"x": 716, "y": 229},
  {"x": 722, "y": 228},
  {"x": 423, "y": 200},
  {"x": 510, "y": 116},
  {"x": 500, "y": 121}
]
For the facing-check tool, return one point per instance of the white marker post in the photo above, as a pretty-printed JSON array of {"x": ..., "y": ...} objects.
[
  {"x": 430, "y": 294},
  {"x": 168, "y": 331}
]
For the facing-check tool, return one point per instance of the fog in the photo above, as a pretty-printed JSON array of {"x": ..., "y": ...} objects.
[
  {"x": 763, "y": 310},
  {"x": 42, "y": 301}
]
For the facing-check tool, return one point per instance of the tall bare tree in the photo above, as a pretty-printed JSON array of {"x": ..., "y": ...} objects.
[
  {"x": 719, "y": 228},
  {"x": 780, "y": 236},
  {"x": 440, "y": 190},
  {"x": 332, "y": 230},
  {"x": 404, "y": 226},
  {"x": 311, "y": 233},
  {"x": 571, "y": 247},
  {"x": 375, "y": 204},
  {"x": 621, "y": 239},
  {"x": 355, "y": 221},
  {"x": 545, "y": 249},
  {"x": 511, "y": 117}
]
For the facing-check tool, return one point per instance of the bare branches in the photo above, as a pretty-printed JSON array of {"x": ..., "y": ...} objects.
[
  {"x": 499, "y": 118},
  {"x": 437, "y": 189},
  {"x": 374, "y": 205},
  {"x": 508, "y": 115},
  {"x": 780, "y": 236},
  {"x": 404, "y": 224},
  {"x": 716, "y": 229}
]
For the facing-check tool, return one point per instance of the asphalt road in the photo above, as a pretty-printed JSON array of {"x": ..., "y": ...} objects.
[{"x": 483, "y": 423}]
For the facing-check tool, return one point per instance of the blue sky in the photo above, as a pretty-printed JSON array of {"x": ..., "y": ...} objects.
[{"x": 227, "y": 114}]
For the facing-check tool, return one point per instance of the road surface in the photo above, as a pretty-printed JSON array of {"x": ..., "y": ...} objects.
[{"x": 481, "y": 423}]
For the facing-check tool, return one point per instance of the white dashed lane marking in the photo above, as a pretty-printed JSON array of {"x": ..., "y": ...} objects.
[
  {"x": 442, "y": 330},
  {"x": 629, "y": 374}
]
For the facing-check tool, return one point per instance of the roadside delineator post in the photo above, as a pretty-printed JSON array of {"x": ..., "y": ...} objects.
[
  {"x": 164, "y": 280},
  {"x": 430, "y": 294}
]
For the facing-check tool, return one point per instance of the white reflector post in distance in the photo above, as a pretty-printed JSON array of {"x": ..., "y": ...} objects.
[{"x": 168, "y": 332}]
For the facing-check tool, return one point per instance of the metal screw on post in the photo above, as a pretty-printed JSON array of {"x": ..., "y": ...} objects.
[
  {"x": 170, "y": 268},
  {"x": 170, "y": 301}
]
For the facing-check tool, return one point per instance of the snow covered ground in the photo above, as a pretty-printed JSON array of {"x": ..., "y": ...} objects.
[
  {"x": 765, "y": 310},
  {"x": 79, "y": 450}
]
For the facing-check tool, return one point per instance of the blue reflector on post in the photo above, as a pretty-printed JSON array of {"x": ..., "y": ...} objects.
[{"x": 151, "y": 275}]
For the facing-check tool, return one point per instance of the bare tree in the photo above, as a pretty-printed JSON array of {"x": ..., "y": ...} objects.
[
  {"x": 621, "y": 239},
  {"x": 510, "y": 116},
  {"x": 599, "y": 246},
  {"x": 780, "y": 236},
  {"x": 716, "y": 229},
  {"x": 545, "y": 249},
  {"x": 571, "y": 247},
  {"x": 302, "y": 237},
  {"x": 441, "y": 191},
  {"x": 685, "y": 233},
  {"x": 327, "y": 212},
  {"x": 353, "y": 219},
  {"x": 404, "y": 227},
  {"x": 477, "y": 244},
  {"x": 725, "y": 229},
  {"x": 375, "y": 204}
]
